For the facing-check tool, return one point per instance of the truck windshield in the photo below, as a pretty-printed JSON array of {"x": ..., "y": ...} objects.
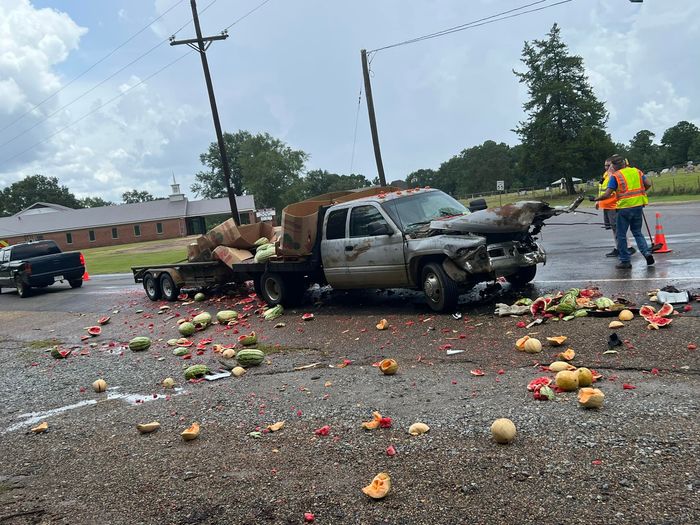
[{"x": 412, "y": 212}]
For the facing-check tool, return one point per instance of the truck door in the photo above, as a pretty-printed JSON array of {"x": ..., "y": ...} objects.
[
  {"x": 374, "y": 250},
  {"x": 333, "y": 248}
]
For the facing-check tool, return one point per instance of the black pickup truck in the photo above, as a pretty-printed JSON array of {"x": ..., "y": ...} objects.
[{"x": 39, "y": 264}]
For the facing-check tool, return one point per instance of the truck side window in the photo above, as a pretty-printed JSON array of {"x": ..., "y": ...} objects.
[
  {"x": 361, "y": 218},
  {"x": 335, "y": 227}
]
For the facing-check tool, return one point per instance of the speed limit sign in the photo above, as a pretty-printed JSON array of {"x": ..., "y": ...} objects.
[{"x": 500, "y": 185}]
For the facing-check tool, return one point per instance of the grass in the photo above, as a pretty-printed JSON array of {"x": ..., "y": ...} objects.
[
  {"x": 665, "y": 188},
  {"x": 120, "y": 259}
]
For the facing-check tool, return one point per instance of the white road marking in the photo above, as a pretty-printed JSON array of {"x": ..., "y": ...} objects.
[{"x": 640, "y": 279}]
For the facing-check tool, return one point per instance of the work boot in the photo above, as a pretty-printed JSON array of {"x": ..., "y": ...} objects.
[
  {"x": 613, "y": 253},
  {"x": 626, "y": 265},
  {"x": 650, "y": 260}
]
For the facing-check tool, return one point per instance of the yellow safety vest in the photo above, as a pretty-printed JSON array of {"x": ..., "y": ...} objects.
[
  {"x": 630, "y": 188},
  {"x": 611, "y": 202}
]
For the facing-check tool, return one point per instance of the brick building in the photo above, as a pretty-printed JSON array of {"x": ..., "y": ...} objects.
[{"x": 73, "y": 229}]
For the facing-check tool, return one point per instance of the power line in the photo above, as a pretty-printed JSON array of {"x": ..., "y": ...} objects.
[
  {"x": 95, "y": 110},
  {"x": 475, "y": 23},
  {"x": 93, "y": 88},
  {"x": 93, "y": 65},
  {"x": 247, "y": 14}
]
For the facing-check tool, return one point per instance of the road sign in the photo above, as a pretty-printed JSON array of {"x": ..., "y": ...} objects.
[
  {"x": 500, "y": 185},
  {"x": 266, "y": 214}
]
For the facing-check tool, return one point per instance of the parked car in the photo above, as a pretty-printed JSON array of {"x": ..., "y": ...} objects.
[{"x": 39, "y": 264}]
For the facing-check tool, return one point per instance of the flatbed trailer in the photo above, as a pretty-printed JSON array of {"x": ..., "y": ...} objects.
[{"x": 281, "y": 279}]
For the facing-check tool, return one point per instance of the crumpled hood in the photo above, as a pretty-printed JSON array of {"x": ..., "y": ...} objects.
[{"x": 511, "y": 218}]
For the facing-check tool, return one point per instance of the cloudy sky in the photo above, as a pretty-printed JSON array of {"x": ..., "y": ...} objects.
[{"x": 89, "y": 92}]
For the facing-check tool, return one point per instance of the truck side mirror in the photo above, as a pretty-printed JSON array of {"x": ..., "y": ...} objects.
[{"x": 379, "y": 228}]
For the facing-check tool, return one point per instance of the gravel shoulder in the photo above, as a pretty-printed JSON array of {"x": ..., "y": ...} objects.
[{"x": 636, "y": 460}]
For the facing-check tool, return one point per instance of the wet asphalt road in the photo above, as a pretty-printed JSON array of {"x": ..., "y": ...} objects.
[{"x": 576, "y": 245}]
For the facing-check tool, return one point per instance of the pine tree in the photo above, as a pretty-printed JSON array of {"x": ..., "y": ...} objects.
[{"x": 564, "y": 134}]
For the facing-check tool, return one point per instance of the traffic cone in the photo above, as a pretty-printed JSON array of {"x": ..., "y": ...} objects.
[
  {"x": 660, "y": 238},
  {"x": 86, "y": 276}
]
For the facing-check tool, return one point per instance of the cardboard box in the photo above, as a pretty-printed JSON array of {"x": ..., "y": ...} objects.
[
  {"x": 299, "y": 222},
  {"x": 196, "y": 254},
  {"x": 249, "y": 233},
  {"x": 230, "y": 256},
  {"x": 204, "y": 243},
  {"x": 224, "y": 234}
]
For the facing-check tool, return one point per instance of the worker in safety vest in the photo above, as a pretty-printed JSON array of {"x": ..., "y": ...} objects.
[
  {"x": 630, "y": 186},
  {"x": 609, "y": 207}
]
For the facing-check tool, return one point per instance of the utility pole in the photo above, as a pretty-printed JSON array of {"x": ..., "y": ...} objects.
[
  {"x": 372, "y": 119},
  {"x": 201, "y": 47}
]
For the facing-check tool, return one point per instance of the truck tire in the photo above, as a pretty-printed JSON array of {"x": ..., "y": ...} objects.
[
  {"x": 75, "y": 283},
  {"x": 168, "y": 287},
  {"x": 276, "y": 289},
  {"x": 523, "y": 275},
  {"x": 440, "y": 290},
  {"x": 22, "y": 289},
  {"x": 151, "y": 287}
]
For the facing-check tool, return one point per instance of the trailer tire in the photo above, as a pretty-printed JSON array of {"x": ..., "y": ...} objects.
[
  {"x": 151, "y": 287},
  {"x": 168, "y": 287},
  {"x": 441, "y": 292}
]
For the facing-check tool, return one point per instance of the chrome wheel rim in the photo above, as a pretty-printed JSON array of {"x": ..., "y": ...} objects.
[{"x": 431, "y": 287}]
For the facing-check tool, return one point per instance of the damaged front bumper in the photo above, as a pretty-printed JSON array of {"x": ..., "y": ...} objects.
[
  {"x": 509, "y": 257},
  {"x": 467, "y": 266}
]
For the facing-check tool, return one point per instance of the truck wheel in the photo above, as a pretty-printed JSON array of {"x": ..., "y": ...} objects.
[
  {"x": 151, "y": 287},
  {"x": 22, "y": 289},
  {"x": 522, "y": 276},
  {"x": 169, "y": 288},
  {"x": 275, "y": 289},
  {"x": 440, "y": 290},
  {"x": 76, "y": 283}
]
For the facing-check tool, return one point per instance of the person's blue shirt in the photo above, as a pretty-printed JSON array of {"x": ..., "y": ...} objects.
[{"x": 612, "y": 183}]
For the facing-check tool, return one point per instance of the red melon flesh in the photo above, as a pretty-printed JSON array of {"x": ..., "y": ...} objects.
[
  {"x": 660, "y": 321},
  {"x": 666, "y": 309},
  {"x": 647, "y": 312},
  {"x": 94, "y": 330}
]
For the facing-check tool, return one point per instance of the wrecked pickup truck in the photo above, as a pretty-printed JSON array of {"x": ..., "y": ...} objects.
[
  {"x": 421, "y": 239},
  {"x": 424, "y": 239}
]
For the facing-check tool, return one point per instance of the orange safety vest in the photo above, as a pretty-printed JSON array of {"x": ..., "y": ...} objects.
[
  {"x": 630, "y": 188},
  {"x": 611, "y": 202}
]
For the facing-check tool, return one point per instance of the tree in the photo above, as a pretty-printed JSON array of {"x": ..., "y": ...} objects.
[
  {"x": 677, "y": 141},
  {"x": 317, "y": 182},
  {"x": 134, "y": 196},
  {"x": 694, "y": 150},
  {"x": 260, "y": 165},
  {"x": 422, "y": 178},
  {"x": 32, "y": 189},
  {"x": 564, "y": 134},
  {"x": 94, "y": 202},
  {"x": 643, "y": 153}
]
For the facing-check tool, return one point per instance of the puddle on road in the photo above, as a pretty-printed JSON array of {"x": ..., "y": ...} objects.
[{"x": 33, "y": 418}]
